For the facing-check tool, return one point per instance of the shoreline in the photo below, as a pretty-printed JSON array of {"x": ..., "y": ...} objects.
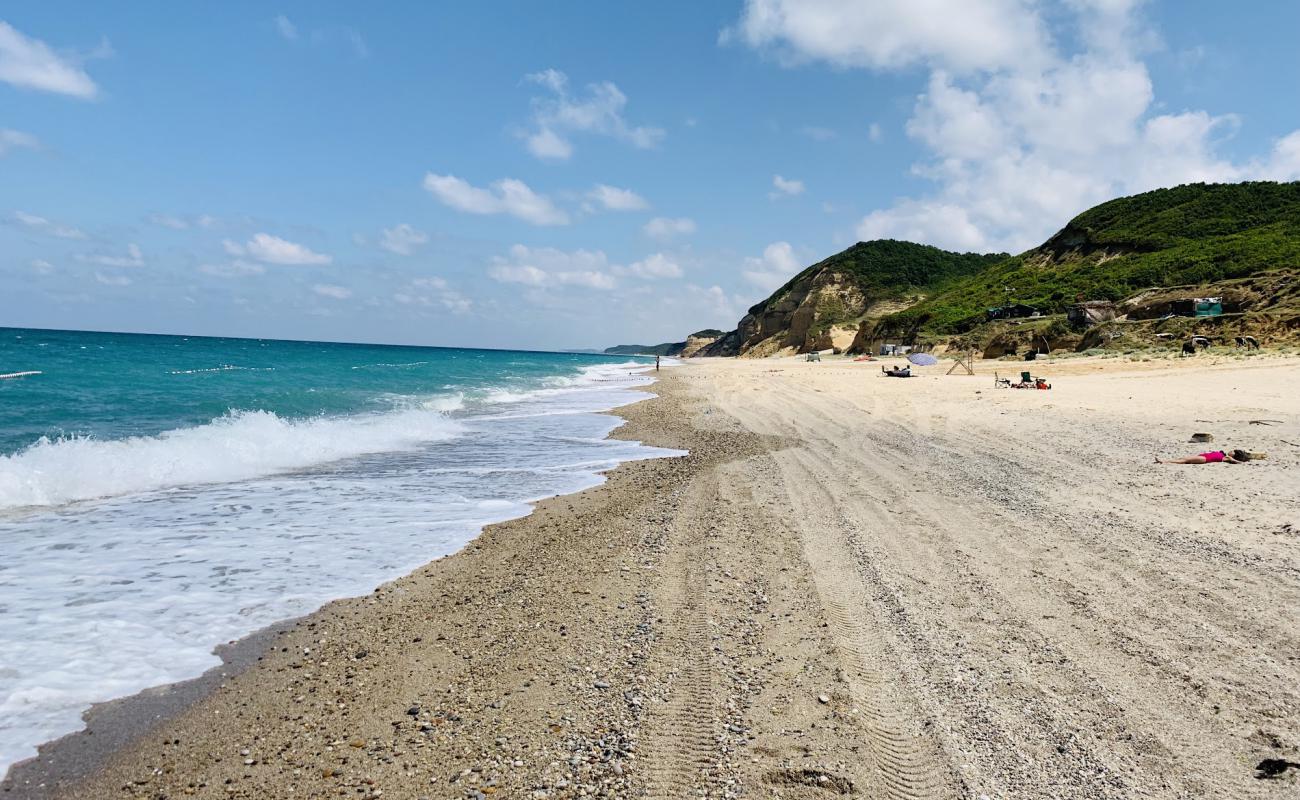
[
  {"x": 113, "y": 726},
  {"x": 850, "y": 586}
]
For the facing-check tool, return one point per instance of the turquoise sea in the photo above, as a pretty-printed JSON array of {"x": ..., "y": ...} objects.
[{"x": 160, "y": 495}]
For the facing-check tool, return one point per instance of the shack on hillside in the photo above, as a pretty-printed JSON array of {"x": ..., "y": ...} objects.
[
  {"x": 1091, "y": 312},
  {"x": 1197, "y": 307},
  {"x": 895, "y": 349},
  {"x": 1013, "y": 311}
]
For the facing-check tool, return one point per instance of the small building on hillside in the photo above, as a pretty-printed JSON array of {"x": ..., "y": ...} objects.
[
  {"x": 1013, "y": 311},
  {"x": 1197, "y": 307},
  {"x": 1091, "y": 312},
  {"x": 895, "y": 349},
  {"x": 1208, "y": 307}
]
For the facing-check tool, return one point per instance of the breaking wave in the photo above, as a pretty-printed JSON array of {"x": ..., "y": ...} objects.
[{"x": 235, "y": 447}]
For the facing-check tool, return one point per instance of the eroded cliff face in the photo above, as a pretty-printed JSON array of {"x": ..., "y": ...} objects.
[
  {"x": 725, "y": 346},
  {"x": 820, "y": 307},
  {"x": 803, "y": 318},
  {"x": 695, "y": 343}
]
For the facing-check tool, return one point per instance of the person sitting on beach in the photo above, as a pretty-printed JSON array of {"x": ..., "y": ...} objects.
[{"x": 1212, "y": 457}]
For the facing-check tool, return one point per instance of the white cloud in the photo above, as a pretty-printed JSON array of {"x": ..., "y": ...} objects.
[
  {"x": 777, "y": 265},
  {"x": 519, "y": 273},
  {"x": 332, "y": 291},
  {"x": 234, "y": 269},
  {"x": 12, "y": 140},
  {"x": 560, "y": 115},
  {"x": 402, "y": 239},
  {"x": 455, "y": 303},
  {"x": 133, "y": 258},
  {"x": 786, "y": 186},
  {"x": 875, "y": 134},
  {"x": 41, "y": 266},
  {"x": 655, "y": 266},
  {"x": 31, "y": 64},
  {"x": 43, "y": 225},
  {"x": 286, "y": 28},
  {"x": 1283, "y": 163},
  {"x": 273, "y": 250},
  {"x": 433, "y": 282},
  {"x": 713, "y": 302},
  {"x": 818, "y": 134},
  {"x": 615, "y": 199},
  {"x": 924, "y": 222},
  {"x": 957, "y": 34},
  {"x": 664, "y": 228},
  {"x": 359, "y": 47},
  {"x": 436, "y": 293},
  {"x": 333, "y": 36},
  {"x": 168, "y": 221},
  {"x": 547, "y": 144},
  {"x": 112, "y": 280},
  {"x": 1015, "y": 144},
  {"x": 507, "y": 196},
  {"x": 549, "y": 267}
]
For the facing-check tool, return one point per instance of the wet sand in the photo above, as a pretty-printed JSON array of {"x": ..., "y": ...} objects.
[{"x": 853, "y": 586}]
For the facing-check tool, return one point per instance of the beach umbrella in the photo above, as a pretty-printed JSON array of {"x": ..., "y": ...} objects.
[{"x": 922, "y": 359}]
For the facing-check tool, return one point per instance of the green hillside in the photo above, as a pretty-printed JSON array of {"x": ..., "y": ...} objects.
[
  {"x": 889, "y": 269},
  {"x": 1193, "y": 234},
  {"x": 665, "y": 349}
]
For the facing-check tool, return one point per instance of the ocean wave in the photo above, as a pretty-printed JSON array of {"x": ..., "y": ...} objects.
[
  {"x": 222, "y": 368},
  {"x": 239, "y": 446},
  {"x": 383, "y": 364},
  {"x": 444, "y": 403},
  {"x": 626, "y": 374},
  {"x": 507, "y": 396}
]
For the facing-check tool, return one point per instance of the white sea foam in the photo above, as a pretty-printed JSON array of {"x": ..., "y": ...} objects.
[
  {"x": 445, "y": 403},
  {"x": 222, "y": 368},
  {"x": 239, "y": 446},
  {"x": 613, "y": 377},
  {"x": 385, "y": 364}
]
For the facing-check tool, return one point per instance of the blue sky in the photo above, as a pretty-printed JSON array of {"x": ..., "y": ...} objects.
[{"x": 581, "y": 174}]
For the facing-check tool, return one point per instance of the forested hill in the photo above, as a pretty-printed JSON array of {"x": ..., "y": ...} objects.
[
  {"x": 1193, "y": 234},
  {"x": 888, "y": 269},
  {"x": 820, "y": 307}
]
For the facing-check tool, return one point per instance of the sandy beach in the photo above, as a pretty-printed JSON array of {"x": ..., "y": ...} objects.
[{"x": 853, "y": 586}]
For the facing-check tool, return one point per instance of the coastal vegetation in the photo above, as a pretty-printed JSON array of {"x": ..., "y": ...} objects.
[
  {"x": 693, "y": 342},
  {"x": 889, "y": 269},
  {"x": 1193, "y": 240},
  {"x": 1197, "y": 234}
]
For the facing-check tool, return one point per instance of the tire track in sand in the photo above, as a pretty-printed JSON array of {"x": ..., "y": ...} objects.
[
  {"x": 908, "y": 764},
  {"x": 682, "y": 732}
]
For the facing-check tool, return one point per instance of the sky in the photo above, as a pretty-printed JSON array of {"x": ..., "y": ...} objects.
[{"x": 573, "y": 175}]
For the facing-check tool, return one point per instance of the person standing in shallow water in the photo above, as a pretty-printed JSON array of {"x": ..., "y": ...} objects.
[{"x": 656, "y": 363}]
